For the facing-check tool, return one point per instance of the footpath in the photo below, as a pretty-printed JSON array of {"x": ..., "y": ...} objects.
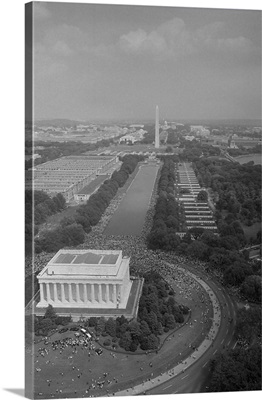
[{"x": 182, "y": 366}]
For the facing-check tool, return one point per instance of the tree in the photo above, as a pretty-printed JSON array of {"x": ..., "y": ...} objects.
[
  {"x": 100, "y": 326},
  {"x": 110, "y": 326},
  {"x": 84, "y": 221},
  {"x": 73, "y": 234},
  {"x": 151, "y": 301},
  {"x": 169, "y": 321},
  {"x": 251, "y": 288},
  {"x": 60, "y": 201},
  {"x": 198, "y": 249},
  {"x": 134, "y": 328},
  {"x": 50, "y": 313},
  {"x": 92, "y": 321},
  {"x": 202, "y": 196},
  {"x": 133, "y": 346},
  {"x": 196, "y": 233},
  {"x": 157, "y": 239},
  {"x": 210, "y": 239},
  {"x": 125, "y": 341},
  {"x": 45, "y": 325},
  {"x": 149, "y": 342},
  {"x": 66, "y": 221},
  {"x": 145, "y": 330},
  {"x": 248, "y": 326},
  {"x": 234, "y": 275},
  {"x": 238, "y": 370},
  {"x": 152, "y": 321},
  {"x": 172, "y": 222},
  {"x": 121, "y": 329},
  {"x": 172, "y": 240}
]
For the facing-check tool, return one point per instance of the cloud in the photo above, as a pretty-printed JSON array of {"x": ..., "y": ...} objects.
[
  {"x": 46, "y": 66},
  {"x": 40, "y": 10},
  {"x": 173, "y": 39},
  {"x": 239, "y": 44},
  {"x": 61, "y": 48},
  {"x": 71, "y": 36}
]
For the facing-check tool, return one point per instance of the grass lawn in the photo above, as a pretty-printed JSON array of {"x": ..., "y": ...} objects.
[{"x": 251, "y": 231}]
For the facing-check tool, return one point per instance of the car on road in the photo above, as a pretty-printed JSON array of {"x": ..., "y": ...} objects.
[{"x": 99, "y": 351}]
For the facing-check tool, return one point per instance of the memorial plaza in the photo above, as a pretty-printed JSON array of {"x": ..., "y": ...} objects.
[
  {"x": 197, "y": 213},
  {"x": 90, "y": 283}
]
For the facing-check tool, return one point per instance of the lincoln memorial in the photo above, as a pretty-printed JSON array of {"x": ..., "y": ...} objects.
[{"x": 85, "y": 279}]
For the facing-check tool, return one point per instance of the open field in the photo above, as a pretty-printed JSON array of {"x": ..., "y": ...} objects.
[
  {"x": 252, "y": 157},
  {"x": 129, "y": 217}
]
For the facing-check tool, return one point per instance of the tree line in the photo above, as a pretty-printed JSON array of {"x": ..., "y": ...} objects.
[
  {"x": 72, "y": 230},
  {"x": 220, "y": 250},
  {"x": 236, "y": 187},
  {"x": 240, "y": 368},
  {"x": 53, "y": 150},
  {"x": 168, "y": 214},
  {"x": 158, "y": 313},
  {"x": 38, "y": 207}
]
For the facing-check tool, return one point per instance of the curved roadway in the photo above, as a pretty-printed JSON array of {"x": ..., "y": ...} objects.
[
  {"x": 191, "y": 381},
  {"x": 190, "y": 375}
]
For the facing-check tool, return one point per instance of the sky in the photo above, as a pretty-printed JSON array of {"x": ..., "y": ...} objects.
[{"x": 113, "y": 62}]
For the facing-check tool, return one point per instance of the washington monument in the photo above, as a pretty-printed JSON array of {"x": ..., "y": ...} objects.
[{"x": 157, "y": 129}]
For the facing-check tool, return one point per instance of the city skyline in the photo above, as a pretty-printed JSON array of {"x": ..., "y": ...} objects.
[{"x": 113, "y": 62}]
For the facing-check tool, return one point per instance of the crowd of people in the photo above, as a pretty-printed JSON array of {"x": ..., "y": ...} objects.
[
  {"x": 71, "y": 346},
  {"x": 168, "y": 265}
]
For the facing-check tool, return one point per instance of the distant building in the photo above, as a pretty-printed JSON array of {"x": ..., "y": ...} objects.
[
  {"x": 199, "y": 130},
  {"x": 188, "y": 137},
  {"x": 68, "y": 175},
  {"x": 127, "y": 139},
  {"x": 32, "y": 157},
  {"x": 84, "y": 193}
]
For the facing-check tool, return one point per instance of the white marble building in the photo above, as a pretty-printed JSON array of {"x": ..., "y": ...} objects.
[{"x": 85, "y": 279}]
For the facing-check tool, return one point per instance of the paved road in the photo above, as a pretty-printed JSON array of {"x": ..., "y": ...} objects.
[
  {"x": 194, "y": 376},
  {"x": 189, "y": 375}
]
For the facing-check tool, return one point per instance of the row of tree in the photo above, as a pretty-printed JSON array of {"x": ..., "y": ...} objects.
[
  {"x": 38, "y": 207},
  {"x": 236, "y": 187},
  {"x": 222, "y": 253},
  {"x": 158, "y": 313},
  {"x": 41, "y": 326},
  {"x": 168, "y": 214},
  {"x": 72, "y": 230},
  {"x": 240, "y": 369}
]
